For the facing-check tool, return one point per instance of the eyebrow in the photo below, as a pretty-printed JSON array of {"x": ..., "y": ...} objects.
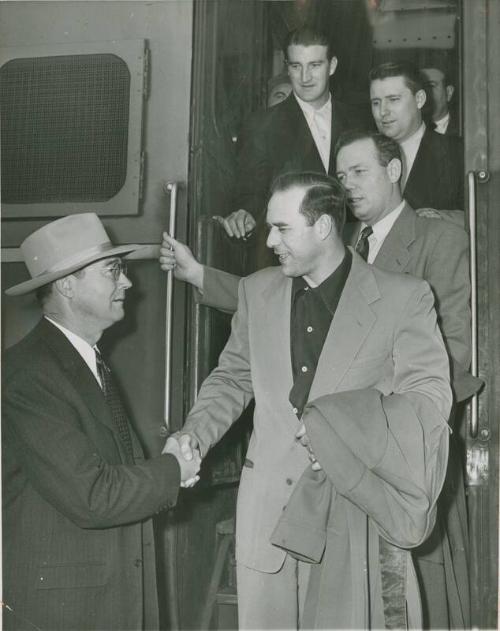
[{"x": 278, "y": 224}]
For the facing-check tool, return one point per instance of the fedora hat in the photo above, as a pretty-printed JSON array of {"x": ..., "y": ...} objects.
[{"x": 64, "y": 246}]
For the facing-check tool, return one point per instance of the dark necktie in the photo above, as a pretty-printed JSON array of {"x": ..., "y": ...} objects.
[
  {"x": 113, "y": 400},
  {"x": 362, "y": 246}
]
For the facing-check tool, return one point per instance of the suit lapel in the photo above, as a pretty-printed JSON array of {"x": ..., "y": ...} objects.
[
  {"x": 304, "y": 145},
  {"x": 428, "y": 160},
  {"x": 77, "y": 372},
  {"x": 394, "y": 254},
  {"x": 276, "y": 305},
  {"x": 351, "y": 325}
]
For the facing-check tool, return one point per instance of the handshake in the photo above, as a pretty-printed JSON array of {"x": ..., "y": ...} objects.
[{"x": 185, "y": 448}]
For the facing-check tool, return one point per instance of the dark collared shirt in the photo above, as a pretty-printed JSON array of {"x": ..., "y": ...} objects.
[{"x": 311, "y": 315}]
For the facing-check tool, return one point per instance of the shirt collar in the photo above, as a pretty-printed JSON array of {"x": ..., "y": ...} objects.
[
  {"x": 442, "y": 123},
  {"x": 331, "y": 288},
  {"x": 414, "y": 139},
  {"x": 382, "y": 228},
  {"x": 310, "y": 111},
  {"x": 86, "y": 351}
]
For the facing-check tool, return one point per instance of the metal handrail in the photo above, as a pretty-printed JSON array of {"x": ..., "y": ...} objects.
[
  {"x": 474, "y": 404},
  {"x": 172, "y": 188}
]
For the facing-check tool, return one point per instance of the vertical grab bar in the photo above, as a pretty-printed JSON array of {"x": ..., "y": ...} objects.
[
  {"x": 170, "y": 187},
  {"x": 474, "y": 410},
  {"x": 171, "y": 531}
]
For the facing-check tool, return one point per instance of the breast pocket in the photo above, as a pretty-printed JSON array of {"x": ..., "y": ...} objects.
[{"x": 367, "y": 372}]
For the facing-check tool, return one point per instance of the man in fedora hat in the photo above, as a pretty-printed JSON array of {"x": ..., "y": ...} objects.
[{"x": 78, "y": 545}]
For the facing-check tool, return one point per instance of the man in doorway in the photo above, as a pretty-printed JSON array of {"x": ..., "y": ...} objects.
[
  {"x": 322, "y": 326},
  {"x": 297, "y": 134},
  {"x": 441, "y": 91},
  {"x": 78, "y": 495},
  {"x": 432, "y": 163}
]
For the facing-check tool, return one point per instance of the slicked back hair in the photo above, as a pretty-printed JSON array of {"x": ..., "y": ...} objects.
[
  {"x": 413, "y": 78},
  {"x": 323, "y": 195},
  {"x": 387, "y": 149},
  {"x": 308, "y": 36}
]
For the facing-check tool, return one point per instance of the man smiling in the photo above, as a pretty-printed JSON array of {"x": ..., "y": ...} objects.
[
  {"x": 432, "y": 173},
  {"x": 321, "y": 332},
  {"x": 78, "y": 495},
  {"x": 297, "y": 134}
]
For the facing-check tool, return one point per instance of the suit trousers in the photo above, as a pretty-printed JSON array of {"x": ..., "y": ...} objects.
[{"x": 272, "y": 601}]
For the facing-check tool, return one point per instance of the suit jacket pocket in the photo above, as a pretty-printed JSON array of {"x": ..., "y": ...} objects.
[{"x": 70, "y": 576}]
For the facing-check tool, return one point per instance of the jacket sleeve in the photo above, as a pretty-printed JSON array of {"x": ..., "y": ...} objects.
[
  {"x": 447, "y": 272},
  {"x": 228, "y": 390},
  {"x": 255, "y": 169},
  {"x": 388, "y": 454},
  {"x": 220, "y": 290},
  {"x": 46, "y": 443}
]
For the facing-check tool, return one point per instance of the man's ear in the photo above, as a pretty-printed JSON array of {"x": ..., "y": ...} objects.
[
  {"x": 421, "y": 98},
  {"x": 333, "y": 65},
  {"x": 450, "y": 90},
  {"x": 394, "y": 169},
  {"x": 324, "y": 226},
  {"x": 65, "y": 286}
]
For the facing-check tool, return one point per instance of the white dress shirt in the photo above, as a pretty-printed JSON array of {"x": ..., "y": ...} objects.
[
  {"x": 442, "y": 124},
  {"x": 86, "y": 351},
  {"x": 409, "y": 147},
  {"x": 380, "y": 231},
  {"x": 320, "y": 125}
]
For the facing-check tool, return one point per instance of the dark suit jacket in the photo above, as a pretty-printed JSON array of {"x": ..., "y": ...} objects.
[
  {"x": 436, "y": 179},
  {"x": 278, "y": 140},
  {"x": 78, "y": 547}
]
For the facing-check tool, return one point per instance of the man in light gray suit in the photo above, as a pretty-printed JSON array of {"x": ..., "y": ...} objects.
[{"x": 321, "y": 325}]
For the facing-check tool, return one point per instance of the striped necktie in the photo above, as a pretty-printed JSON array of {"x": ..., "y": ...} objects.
[
  {"x": 363, "y": 246},
  {"x": 113, "y": 400}
]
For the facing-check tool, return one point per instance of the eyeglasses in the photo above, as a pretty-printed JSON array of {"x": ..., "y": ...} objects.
[{"x": 114, "y": 270}]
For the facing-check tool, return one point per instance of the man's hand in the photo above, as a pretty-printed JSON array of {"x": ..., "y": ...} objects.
[
  {"x": 184, "y": 448},
  {"x": 238, "y": 224},
  {"x": 176, "y": 256},
  {"x": 303, "y": 438}
]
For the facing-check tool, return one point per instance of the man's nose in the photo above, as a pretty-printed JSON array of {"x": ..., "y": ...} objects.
[
  {"x": 272, "y": 238},
  {"x": 124, "y": 281},
  {"x": 305, "y": 75},
  {"x": 347, "y": 182},
  {"x": 384, "y": 108}
]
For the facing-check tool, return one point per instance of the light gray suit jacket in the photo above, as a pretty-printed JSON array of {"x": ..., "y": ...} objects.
[{"x": 384, "y": 335}]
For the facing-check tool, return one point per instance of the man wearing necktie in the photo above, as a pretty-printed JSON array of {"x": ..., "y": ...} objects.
[
  {"x": 392, "y": 236},
  {"x": 78, "y": 495}
]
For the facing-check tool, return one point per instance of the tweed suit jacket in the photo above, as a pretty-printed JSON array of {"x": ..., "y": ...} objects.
[
  {"x": 436, "y": 250},
  {"x": 78, "y": 547},
  {"x": 436, "y": 179},
  {"x": 384, "y": 324}
]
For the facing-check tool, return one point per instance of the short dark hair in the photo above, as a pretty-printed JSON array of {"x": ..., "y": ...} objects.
[
  {"x": 308, "y": 36},
  {"x": 387, "y": 148},
  {"x": 323, "y": 195},
  {"x": 412, "y": 76},
  {"x": 43, "y": 293}
]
